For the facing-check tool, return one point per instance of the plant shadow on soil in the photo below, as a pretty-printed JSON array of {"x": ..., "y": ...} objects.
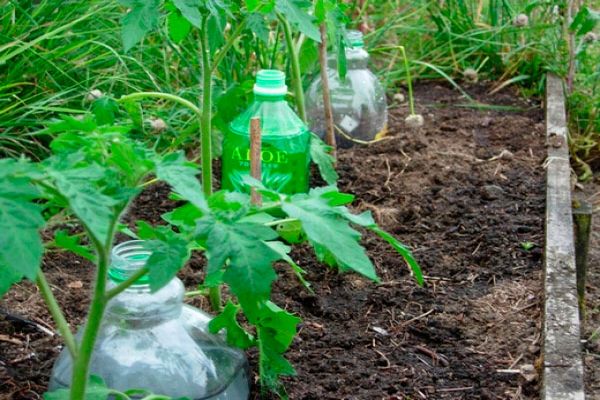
[{"x": 466, "y": 192}]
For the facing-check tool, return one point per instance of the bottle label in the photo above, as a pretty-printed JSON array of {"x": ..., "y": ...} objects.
[
  {"x": 284, "y": 163},
  {"x": 348, "y": 124}
]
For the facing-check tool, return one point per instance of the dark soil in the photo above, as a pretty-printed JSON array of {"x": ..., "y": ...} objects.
[
  {"x": 466, "y": 192},
  {"x": 591, "y": 322}
]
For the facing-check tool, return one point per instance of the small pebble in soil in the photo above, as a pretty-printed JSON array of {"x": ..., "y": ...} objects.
[{"x": 491, "y": 192}]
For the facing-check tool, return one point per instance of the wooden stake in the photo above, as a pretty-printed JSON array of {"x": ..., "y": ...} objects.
[
  {"x": 329, "y": 128},
  {"x": 255, "y": 162},
  {"x": 582, "y": 217}
]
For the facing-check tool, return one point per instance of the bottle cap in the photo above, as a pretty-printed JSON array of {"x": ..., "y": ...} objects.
[
  {"x": 355, "y": 38},
  {"x": 270, "y": 82},
  {"x": 127, "y": 258}
]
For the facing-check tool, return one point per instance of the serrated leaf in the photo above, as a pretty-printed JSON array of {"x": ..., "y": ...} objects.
[
  {"x": 256, "y": 24},
  {"x": 309, "y": 57},
  {"x": 94, "y": 208},
  {"x": 71, "y": 243},
  {"x": 136, "y": 113},
  {"x": 68, "y": 123},
  {"x": 190, "y": 10},
  {"x": 276, "y": 329},
  {"x": 169, "y": 255},
  {"x": 20, "y": 243},
  {"x": 236, "y": 335},
  {"x": 179, "y": 27},
  {"x": 180, "y": 174},
  {"x": 585, "y": 21},
  {"x": 142, "y": 17},
  {"x": 404, "y": 252},
  {"x": 249, "y": 272},
  {"x": 330, "y": 235},
  {"x": 366, "y": 220},
  {"x": 291, "y": 232},
  {"x": 105, "y": 109},
  {"x": 319, "y": 153},
  {"x": 95, "y": 390},
  {"x": 283, "y": 251},
  {"x": 295, "y": 13}
]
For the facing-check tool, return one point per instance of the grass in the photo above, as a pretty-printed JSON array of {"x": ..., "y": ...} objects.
[{"x": 54, "y": 53}]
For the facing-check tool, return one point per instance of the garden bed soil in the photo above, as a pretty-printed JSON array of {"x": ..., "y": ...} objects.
[
  {"x": 590, "y": 193},
  {"x": 466, "y": 192}
]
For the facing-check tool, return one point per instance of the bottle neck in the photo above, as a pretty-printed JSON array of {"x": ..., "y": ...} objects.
[
  {"x": 356, "y": 58},
  {"x": 268, "y": 98},
  {"x": 137, "y": 307}
]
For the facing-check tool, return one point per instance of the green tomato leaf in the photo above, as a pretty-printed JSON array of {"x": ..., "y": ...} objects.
[
  {"x": 242, "y": 245},
  {"x": 404, "y": 252},
  {"x": 585, "y": 21},
  {"x": 136, "y": 113},
  {"x": 83, "y": 192},
  {"x": 236, "y": 335},
  {"x": 105, "y": 108},
  {"x": 331, "y": 235},
  {"x": 256, "y": 24},
  {"x": 178, "y": 25},
  {"x": 190, "y": 9},
  {"x": 366, "y": 220},
  {"x": 142, "y": 17},
  {"x": 295, "y": 12},
  {"x": 276, "y": 329},
  {"x": 20, "y": 243},
  {"x": 283, "y": 251},
  {"x": 291, "y": 232},
  {"x": 169, "y": 255},
  {"x": 71, "y": 243},
  {"x": 320, "y": 155},
  {"x": 181, "y": 175}
]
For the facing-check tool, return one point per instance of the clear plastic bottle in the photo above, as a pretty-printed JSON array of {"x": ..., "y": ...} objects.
[
  {"x": 153, "y": 341},
  {"x": 358, "y": 101},
  {"x": 285, "y": 140}
]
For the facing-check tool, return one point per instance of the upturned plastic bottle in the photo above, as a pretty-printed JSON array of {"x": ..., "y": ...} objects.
[
  {"x": 285, "y": 140},
  {"x": 358, "y": 101},
  {"x": 152, "y": 341}
]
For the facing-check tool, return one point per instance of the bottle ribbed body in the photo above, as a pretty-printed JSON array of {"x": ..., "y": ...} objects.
[
  {"x": 152, "y": 341},
  {"x": 358, "y": 101}
]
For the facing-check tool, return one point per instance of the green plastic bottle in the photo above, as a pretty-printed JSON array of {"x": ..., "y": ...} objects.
[{"x": 285, "y": 140}]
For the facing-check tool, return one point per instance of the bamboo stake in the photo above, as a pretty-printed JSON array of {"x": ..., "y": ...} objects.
[{"x": 255, "y": 162}]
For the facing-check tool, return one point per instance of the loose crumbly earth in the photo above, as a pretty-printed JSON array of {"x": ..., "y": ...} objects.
[
  {"x": 466, "y": 193},
  {"x": 591, "y": 319}
]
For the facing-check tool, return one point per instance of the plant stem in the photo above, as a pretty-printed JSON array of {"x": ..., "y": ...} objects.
[
  {"x": 411, "y": 101},
  {"x": 330, "y": 133},
  {"x": 81, "y": 364},
  {"x": 125, "y": 284},
  {"x": 57, "y": 314},
  {"x": 295, "y": 62},
  {"x": 162, "y": 96},
  {"x": 205, "y": 123},
  {"x": 214, "y": 294}
]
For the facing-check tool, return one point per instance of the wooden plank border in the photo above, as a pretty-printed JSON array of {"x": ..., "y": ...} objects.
[{"x": 562, "y": 363}]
